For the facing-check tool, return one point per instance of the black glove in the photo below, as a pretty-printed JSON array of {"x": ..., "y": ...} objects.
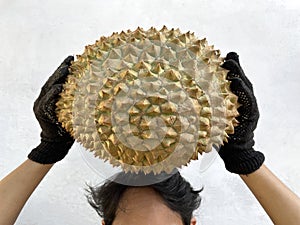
[
  {"x": 55, "y": 141},
  {"x": 238, "y": 154}
]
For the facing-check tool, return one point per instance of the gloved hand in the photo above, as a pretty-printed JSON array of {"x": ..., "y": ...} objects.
[
  {"x": 238, "y": 154},
  {"x": 55, "y": 141}
]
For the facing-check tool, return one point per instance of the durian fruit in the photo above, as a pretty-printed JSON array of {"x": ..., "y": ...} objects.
[{"x": 148, "y": 100}]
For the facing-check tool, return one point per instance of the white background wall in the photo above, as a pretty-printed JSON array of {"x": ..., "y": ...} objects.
[{"x": 36, "y": 35}]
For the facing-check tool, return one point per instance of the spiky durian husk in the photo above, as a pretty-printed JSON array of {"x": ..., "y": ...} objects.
[{"x": 119, "y": 85}]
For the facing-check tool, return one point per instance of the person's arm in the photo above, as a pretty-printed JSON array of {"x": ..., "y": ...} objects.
[
  {"x": 239, "y": 156},
  {"x": 17, "y": 187},
  {"x": 279, "y": 202}
]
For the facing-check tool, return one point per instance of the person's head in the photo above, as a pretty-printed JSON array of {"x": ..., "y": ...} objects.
[{"x": 171, "y": 201}]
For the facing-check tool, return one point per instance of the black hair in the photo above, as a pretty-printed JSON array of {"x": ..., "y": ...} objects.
[{"x": 176, "y": 192}]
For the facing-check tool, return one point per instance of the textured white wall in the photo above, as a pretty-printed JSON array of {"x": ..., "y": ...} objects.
[{"x": 36, "y": 35}]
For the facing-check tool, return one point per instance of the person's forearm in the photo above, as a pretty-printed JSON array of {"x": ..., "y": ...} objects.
[
  {"x": 17, "y": 187},
  {"x": 280, "y": 203}
]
